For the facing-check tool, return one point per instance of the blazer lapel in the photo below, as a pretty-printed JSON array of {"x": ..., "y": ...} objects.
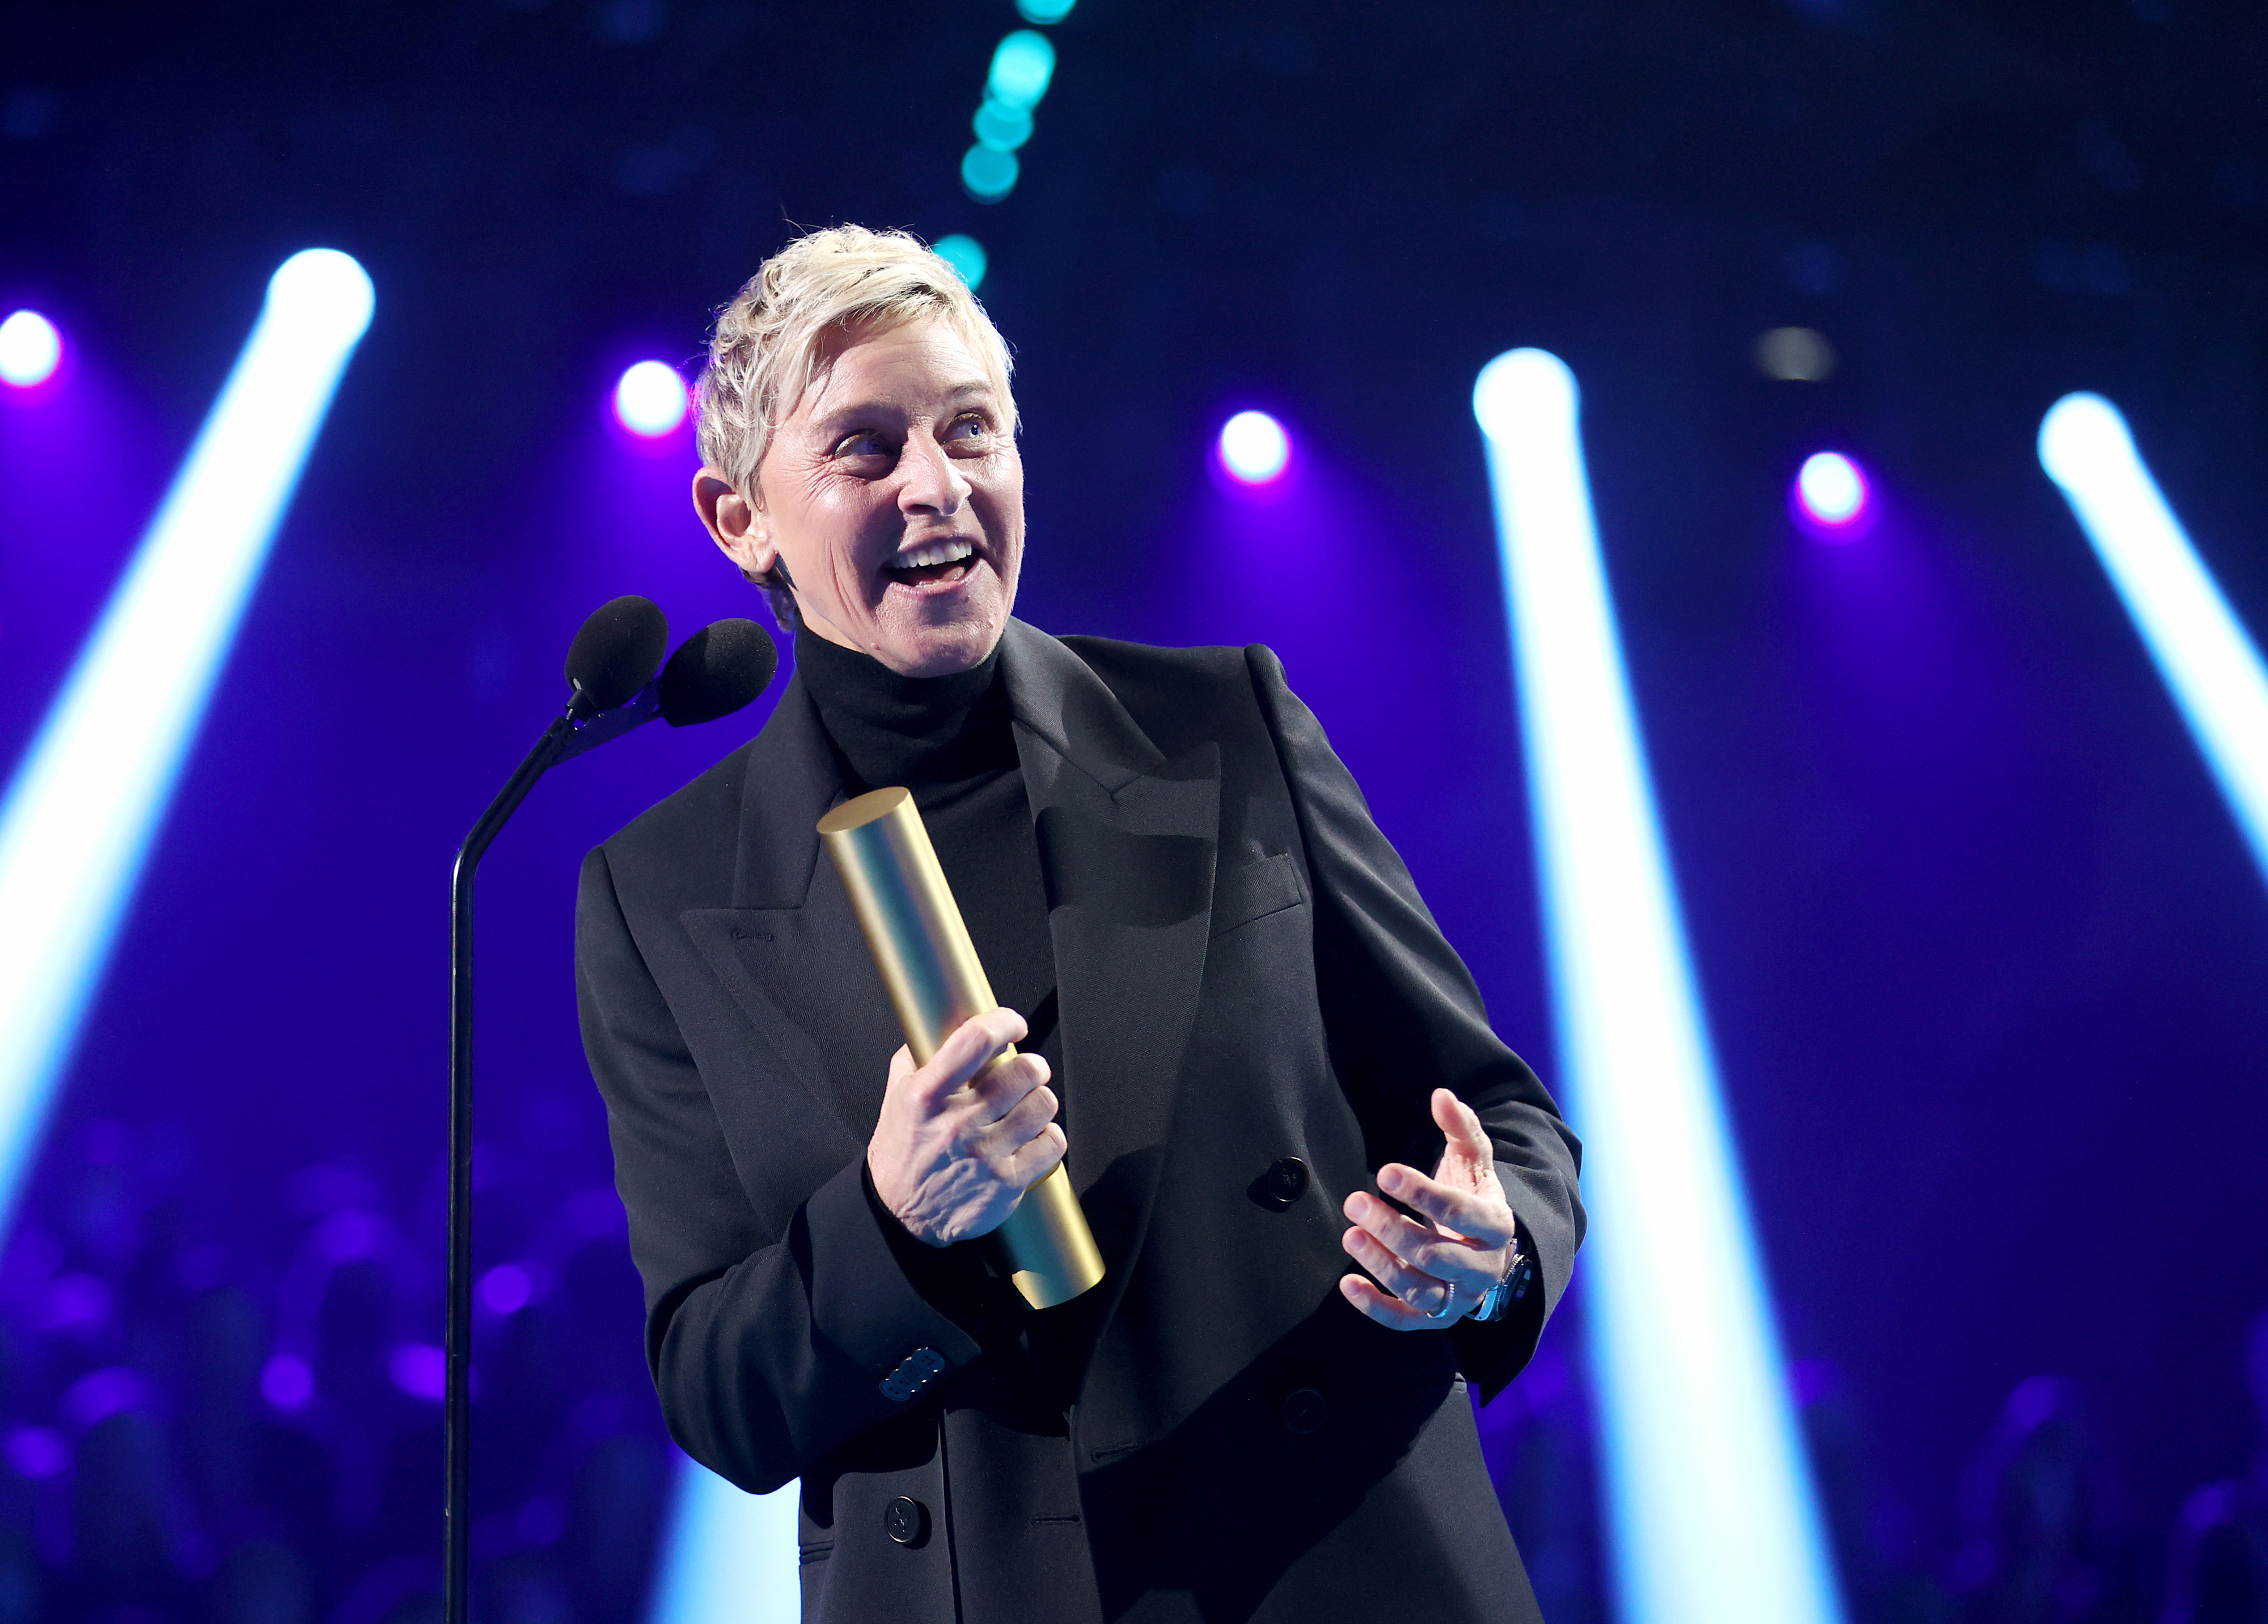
[
  {"x": 1127, "y": 840},
  {"x": 789, "y": 919}
]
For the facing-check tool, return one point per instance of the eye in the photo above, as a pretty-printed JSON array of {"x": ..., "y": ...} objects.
[
  {"x": 968, "y": 428},
  {"x": 865, "y": 444}
]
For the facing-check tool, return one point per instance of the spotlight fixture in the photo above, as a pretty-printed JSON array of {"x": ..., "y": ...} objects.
[
  {"x": 1830, "y": 497},
  {"x": 650, "y": 400},
  {"x": 1253, "y": 449},
  {"x": 31, "y": 349}
]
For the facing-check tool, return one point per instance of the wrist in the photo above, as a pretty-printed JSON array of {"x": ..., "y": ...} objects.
[{"x": 1513, "y": 1287}]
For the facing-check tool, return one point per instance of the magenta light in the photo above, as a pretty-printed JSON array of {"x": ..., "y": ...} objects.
[
  {"x": 1831, "y": 496},
  {"x": 1254, "y": 448},
  {"x": 650, "y": 399},
  {"x": 31, "y": 349}
]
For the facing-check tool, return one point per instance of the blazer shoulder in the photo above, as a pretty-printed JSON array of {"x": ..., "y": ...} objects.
[
  {"x": 690, "y": 831},
  {"x": 1168, "y": 691}
]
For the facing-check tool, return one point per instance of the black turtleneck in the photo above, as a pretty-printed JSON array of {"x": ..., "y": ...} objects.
[{"x": 948, "y": 740}]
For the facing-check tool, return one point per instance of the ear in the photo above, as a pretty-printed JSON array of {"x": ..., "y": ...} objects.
[{"x": 735, "y": 524}]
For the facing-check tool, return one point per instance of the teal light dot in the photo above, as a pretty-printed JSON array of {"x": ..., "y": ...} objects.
[
  {"x": 965, "y": 255},
  {"x": 1002, "y": 129},
  {"x": 989, "y": 175},
  {"x": 1045, "y": 11},
  {"x": 1021, "y": 68}
]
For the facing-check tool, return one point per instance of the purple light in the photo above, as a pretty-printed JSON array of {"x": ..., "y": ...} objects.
[
  {"x": 36, "y": 1452},
  {"x": 31, "y": 349},
  {"x": 420, "y": 1370},
  {"x": 507, "y": 1288},
  {"x": 650, "y": 400},
  {"x": 1830, "y": 497},
  {"x": 287, "y": 1383},
  {"x": 1253, "y": 449}
]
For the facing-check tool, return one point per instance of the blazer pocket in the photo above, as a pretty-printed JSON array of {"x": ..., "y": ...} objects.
[{"x": 1255, "y": 890}]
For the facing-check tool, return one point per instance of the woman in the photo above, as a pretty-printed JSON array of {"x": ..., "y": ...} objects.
[{"x": 1235, "y": 1014}]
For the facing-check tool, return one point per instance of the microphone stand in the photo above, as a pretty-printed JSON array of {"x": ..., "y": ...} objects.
[{"x": 573, "y": 732}]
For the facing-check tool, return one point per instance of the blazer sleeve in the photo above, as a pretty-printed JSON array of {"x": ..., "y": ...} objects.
[
  {"x": 1404, "y": 1017},
  {"x": 768, "y": 1349}
]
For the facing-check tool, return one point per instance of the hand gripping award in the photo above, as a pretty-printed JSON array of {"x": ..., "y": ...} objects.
[{"x": 921, "y": 946}]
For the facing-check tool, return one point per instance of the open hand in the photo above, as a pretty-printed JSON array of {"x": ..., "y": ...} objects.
[
  {"x": 957, "y": 1145},
  {"x": 1438, "y": 1270}
]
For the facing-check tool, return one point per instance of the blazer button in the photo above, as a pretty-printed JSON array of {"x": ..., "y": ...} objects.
[
  {"x": 906, "y": 1521},
  {"x": 1283, "y": 1183},
  {"x": 1305, "y": 1410}
]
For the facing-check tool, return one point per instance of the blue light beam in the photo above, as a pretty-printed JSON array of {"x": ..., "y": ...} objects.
[
  {"x": 84, "y": 806},
  {"x": 731, "y": 1557},
  {"x": 2198, "y": 644},
  {"x": 1708, "y": 1490}
]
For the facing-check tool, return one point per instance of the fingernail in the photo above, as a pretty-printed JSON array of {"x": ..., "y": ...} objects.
[{"x": 1390, "y": 1180}]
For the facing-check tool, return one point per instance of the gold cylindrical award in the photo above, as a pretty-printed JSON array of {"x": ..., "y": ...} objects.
[{"x": 921, "y": 948}]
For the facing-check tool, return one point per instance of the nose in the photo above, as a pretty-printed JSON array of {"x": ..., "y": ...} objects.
[{"x": 929, "y": 482}]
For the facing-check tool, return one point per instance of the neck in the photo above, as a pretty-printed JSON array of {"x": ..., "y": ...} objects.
[{"x": 923, "y": 732}]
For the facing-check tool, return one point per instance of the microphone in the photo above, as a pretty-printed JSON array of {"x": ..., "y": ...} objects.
[
  {"x": 714, "y": 673},
  {"x": 617, "y": 683},
  {"x": 616, "y": 654}
]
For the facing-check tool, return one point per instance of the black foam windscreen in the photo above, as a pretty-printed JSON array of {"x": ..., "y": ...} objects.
[
  {"x": 617, "y": 652},
  {"x": 716, "y": 671}
]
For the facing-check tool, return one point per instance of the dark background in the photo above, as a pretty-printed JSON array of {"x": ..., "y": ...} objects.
[{"x": 1982, "y": 949}]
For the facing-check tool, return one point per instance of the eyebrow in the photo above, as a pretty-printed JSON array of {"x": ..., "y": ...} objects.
[{"x": 844, "y": 416}]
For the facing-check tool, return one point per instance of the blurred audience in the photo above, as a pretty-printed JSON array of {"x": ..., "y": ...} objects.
[
  {"x": 2220, "y": 1571},
  {"x": 231, "y": 1414}
]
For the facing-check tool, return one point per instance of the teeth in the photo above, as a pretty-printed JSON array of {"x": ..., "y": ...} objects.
[{"x": 933, "y": 553}]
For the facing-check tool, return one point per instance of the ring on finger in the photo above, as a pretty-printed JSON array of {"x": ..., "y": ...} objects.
[{"x": 1448, "y": 1302}]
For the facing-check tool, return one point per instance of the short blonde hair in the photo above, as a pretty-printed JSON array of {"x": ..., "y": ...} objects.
[{"x": 782, "y": 330}]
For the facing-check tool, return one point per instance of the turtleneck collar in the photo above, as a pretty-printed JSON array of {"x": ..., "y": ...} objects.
[{"x": 928, "y": 734}]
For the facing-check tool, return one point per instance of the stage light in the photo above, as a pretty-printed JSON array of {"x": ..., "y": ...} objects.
[
  {"x": 730, "y": 1557},
  {"x": 1831, "y": 495},
  {"x": 1254, "y": 448},
  {"x": 92, "y": 791},
  {"x": 989, "y": 175},
  {"x": 1713, "y": 1516},
  {"x": 1794, "y": 355},
  {"x": 1022, "y": 67},
  {"x": 2202, "y": 652},
  {"x": 31, "y": 349},
  {"x": 1044, "y": 10},
  {"x": 966, "y": 255},
  {"x": 1002, "y": 127},
  {"x": 650, "y": 400}
]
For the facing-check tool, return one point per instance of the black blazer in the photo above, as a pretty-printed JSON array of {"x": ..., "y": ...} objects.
[{"x": 1246, "y": 975}]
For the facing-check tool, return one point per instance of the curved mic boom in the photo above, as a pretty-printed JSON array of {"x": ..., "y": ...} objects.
[{"x": 611, "y": 668}]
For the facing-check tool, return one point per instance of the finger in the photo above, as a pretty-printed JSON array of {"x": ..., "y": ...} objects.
[
  {"x": 1445, "y": 1257},
  {"x": 973, "y": 1046},
  {"x": 902, "y": 1066},
  {"x": 1022, "y": 1123},
  {"x": 1475, "y": 1216},
  {"x": 1389, "y": 1312},
  {"x": 1037, "y": 1159},
  {"x": 1427, "y": 1292},
  {"x": 1006, "y": 1084}
]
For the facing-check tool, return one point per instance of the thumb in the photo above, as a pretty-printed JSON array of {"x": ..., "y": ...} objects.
[{"x": 1461, "y": 1126}]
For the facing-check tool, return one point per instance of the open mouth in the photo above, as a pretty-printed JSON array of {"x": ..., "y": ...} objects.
[{"x": 931, "y": 563}]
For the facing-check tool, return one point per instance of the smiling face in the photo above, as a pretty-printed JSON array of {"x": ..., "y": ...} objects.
[{"x": 894, "y": 496}]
